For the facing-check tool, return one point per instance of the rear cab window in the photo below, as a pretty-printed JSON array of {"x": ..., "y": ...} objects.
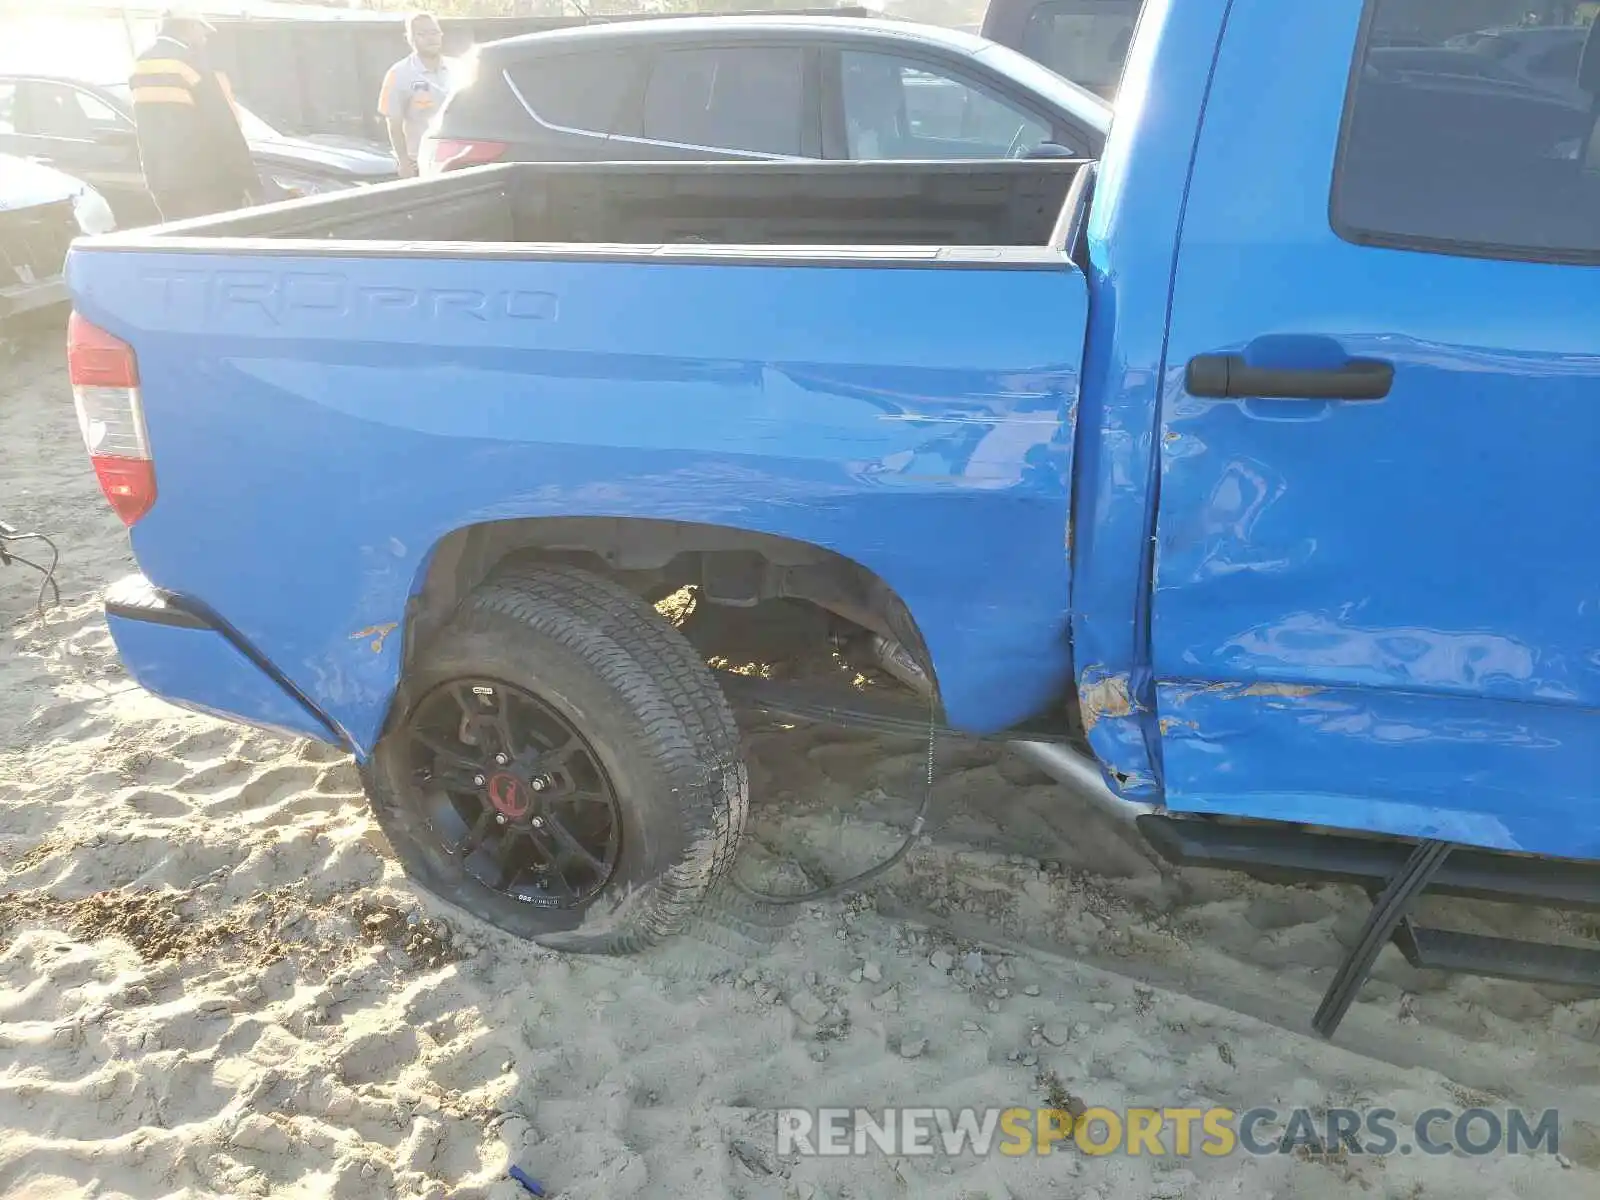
[
  {"x": 1084, "y": 40},
  {"x": 584, "y": 93},
  {"x": 746, "y": 98},
  {"x": 1470, "y": 129}
]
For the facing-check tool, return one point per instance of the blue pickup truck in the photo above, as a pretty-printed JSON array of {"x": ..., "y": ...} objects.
[{"x": 1249, "y": 471}]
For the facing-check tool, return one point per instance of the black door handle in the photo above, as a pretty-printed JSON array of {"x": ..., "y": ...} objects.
[{"x": 1228, "y": 376}]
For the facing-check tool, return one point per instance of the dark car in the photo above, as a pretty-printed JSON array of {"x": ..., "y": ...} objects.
[
  {"x": 760, "y": 88},
  {"x": 87, "y": 130},
  {"x": 41, "y": 211}
]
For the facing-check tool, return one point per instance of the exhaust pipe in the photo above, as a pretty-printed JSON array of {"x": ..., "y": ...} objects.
[{"x": 1082, "y": 777}]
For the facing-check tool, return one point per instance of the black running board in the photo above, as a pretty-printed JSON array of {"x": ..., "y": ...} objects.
[
  {"x": 1500, "y": 958},
  {"x": 847, "y": 707},
  {"x": 1395, "y": 873},
  {"x": 1369, "y": 862}
]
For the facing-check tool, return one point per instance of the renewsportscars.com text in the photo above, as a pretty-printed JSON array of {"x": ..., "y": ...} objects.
[{"x": 1178, "y": 1132}]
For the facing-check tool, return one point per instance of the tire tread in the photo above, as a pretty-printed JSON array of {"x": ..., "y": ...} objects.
[{"x": 683, "y": 719}]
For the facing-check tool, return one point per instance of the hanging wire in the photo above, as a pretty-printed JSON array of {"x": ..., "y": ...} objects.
[
  {"x": 856, "y": 882},
  {"x": 9, "y": 537}
]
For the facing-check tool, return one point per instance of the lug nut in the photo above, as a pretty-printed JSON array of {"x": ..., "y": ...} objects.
[
  {"x": 477, "y": 781},
  {"x": 538, "y": 784},
  {"x": 537, "y": 822},
  {"x": 499, "y": 818},
  {"x": 500, "y": 760}
]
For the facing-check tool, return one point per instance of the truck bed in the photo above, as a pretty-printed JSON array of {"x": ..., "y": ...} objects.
[{"x": 1009, "y": 205}]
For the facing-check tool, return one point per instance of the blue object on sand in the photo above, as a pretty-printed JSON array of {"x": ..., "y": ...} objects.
[{"x": 527, "y": 1181}]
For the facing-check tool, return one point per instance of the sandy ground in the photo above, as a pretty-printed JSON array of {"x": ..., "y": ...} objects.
[{"x": 214, "y": 980}]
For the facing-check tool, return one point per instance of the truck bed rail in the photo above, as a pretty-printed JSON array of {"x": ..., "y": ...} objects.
[{"x": 1007, "y": 204}]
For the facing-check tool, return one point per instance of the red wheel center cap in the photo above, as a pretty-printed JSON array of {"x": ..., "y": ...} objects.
[{"x": 510, "y": 796}]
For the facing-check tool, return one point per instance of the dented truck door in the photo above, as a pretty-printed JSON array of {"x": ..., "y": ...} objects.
[{"x": 1376, "y": 586}]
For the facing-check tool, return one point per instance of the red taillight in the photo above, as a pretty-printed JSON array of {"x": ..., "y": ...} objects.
[
  {"x": 129, "y": 483},
  {"x": 449, "y": 154},
  {"x": 96, "y": 359},
  {"x": 105, "y": 391}
]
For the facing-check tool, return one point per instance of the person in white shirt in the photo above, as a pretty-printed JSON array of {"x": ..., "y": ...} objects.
[{"x": 414, "y": 90}]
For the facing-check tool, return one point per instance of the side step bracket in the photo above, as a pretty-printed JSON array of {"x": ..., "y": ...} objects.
[{"x": 1387, "y": 912}]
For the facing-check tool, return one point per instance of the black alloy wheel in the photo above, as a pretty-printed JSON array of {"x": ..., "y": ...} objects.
[
  {"x": 514, "y": 792},
  {"x": 560, "y": 762}
]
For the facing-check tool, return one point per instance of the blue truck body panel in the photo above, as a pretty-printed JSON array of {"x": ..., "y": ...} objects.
[
  {"x": 320, "y": 424},
  {"x": 202, "y": 670},
  {"x": 1500, "y": 774},
  {"x": 1132, "y": 233},
  {"x": 1378, "y": 615},
  {"x": 1386, "y": 611}
]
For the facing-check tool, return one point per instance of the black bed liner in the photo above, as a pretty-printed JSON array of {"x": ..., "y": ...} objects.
[{"x": 983, "y": 204}]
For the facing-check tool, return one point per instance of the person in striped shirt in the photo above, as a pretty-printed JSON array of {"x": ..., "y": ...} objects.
[{"x": 194, "y": 154}]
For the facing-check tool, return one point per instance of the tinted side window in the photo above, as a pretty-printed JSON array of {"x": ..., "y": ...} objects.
[
  {"x": 733, "y": 99},
  {"x": 98, "y": 113},
  {"x": 576, "y": 91},
  {"x": 1448, "y": 148},
  {"x": 898, "y": 108},
  {"x": 1084, "y": 40},
  {"x": 53, "y": 110}
]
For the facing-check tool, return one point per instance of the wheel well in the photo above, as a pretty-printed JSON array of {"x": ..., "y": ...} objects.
[{"x": 729, "y": 567}]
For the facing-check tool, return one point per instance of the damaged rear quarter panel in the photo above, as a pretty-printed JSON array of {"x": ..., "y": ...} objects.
[{"x": 311, "y": 452}]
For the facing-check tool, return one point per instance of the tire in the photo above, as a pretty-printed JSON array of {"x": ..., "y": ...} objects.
[{"x": 653, "y": 718}]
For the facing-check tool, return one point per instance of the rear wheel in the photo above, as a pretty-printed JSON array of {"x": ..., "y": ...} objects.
[{"x": 562, "y": 765}]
